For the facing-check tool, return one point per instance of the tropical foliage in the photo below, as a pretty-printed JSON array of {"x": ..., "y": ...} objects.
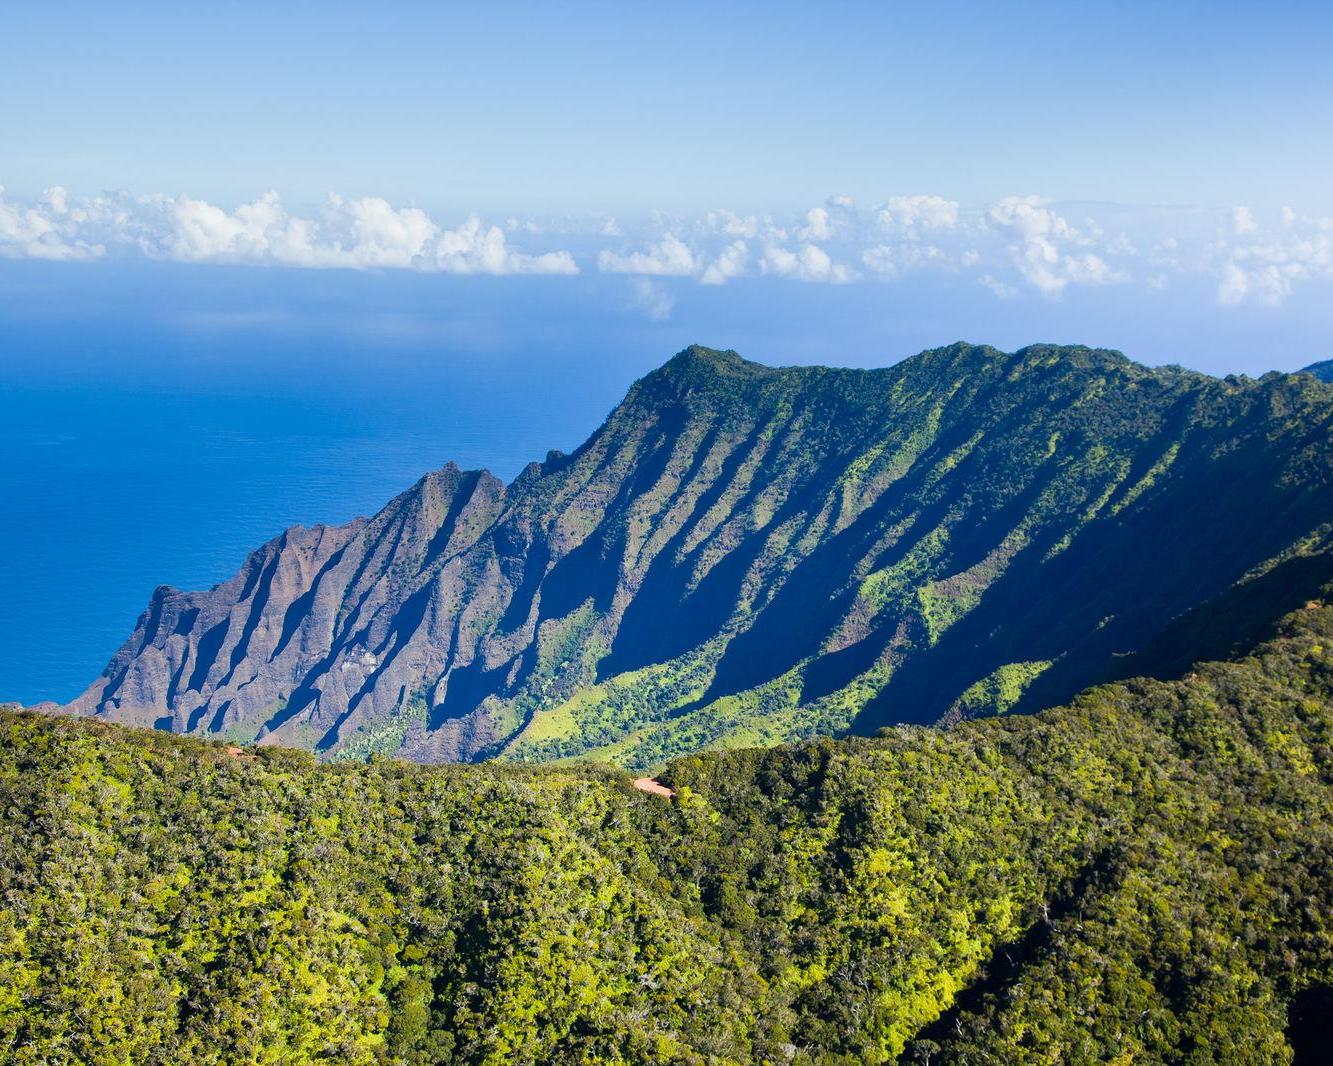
[{"x": 1144, "y": 875}]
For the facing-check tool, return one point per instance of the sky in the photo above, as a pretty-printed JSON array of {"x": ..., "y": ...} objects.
[
  {"x": 617, "y": 107},
  {"x": 999, "y": 151}
]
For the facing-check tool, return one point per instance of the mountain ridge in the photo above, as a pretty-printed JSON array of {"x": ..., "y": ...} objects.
[
  {"x": 746, "y": 554},
  {"x": 1323, "y": 370}
]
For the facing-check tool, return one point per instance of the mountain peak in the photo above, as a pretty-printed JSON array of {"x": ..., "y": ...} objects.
[
  {"x": 700, "y": 359},
  {"x": 697, "y": 369},
  {"x": 701, "y": 353}
]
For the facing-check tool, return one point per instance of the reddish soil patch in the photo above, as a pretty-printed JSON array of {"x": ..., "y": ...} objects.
[{"x": 648, "y": 784}]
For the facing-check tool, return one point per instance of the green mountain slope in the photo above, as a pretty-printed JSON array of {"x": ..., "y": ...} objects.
[
  {"x": 742, "y": 555},
  {"x": 1146, "y": 875},
  {"x": 1322, "y": 370}
]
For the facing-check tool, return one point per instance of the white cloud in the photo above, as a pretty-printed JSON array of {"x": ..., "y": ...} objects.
[
  {"x": 652, "y": 298},
  {"x": 1038, "y": 236},
  {"x": 256, "y": 232},
  {"x": 1035, "y": 253},
  {"x": 1001, "y": 289},
  {"x": 1268, "y": 266},
  {"x": 730, "y": 263},
  {"x": 42, "y": 230},
  {"x": 835, "y": 219},
  {"x": 475, "y": 248},
  {"x": 807, "y": 263},
  {"x": 1089, "y": 269},
  {"x": 730, "y": 224},
  {"x": 56, "y": 197},
  {"x": 1234, "y": 285},
  {"x": 891, "y": 261},
  {"x": 1019, "y": 241},
  {"x": 918, "y": 212},
  {"x": 365, "y": 233},
  {"x": 1269, "y": 280},
  {"x": 1270, "y": 284},
  {"x": 395, "y": 238},
  {"x": 668, "y": 257},
  {"x": 818, "y": 226}
]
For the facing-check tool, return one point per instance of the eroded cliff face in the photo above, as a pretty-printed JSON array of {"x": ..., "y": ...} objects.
[
  {"x": 323, "y": 629},
  {"x": 743, "y": 555}
]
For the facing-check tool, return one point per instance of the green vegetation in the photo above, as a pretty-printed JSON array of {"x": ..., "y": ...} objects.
[
  {"x": 1001, "y": 691},
  {"x": 386, "y": 735},
  {"x": 1322, "y": 370},
  {"x": 1145, "y": 875}
]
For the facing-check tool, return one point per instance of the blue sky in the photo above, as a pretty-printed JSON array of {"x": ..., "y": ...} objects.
[{"x": 505, "y": 107}]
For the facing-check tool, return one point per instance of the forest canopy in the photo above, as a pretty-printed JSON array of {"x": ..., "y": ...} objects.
[{"x": 1144, "y": 875}]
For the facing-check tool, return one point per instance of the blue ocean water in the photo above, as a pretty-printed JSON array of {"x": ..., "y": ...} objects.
[
  {"x": 142, "y": 449},
  {"x": 159, "y": 421}
]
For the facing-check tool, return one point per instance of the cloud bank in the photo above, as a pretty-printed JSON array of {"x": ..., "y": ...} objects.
[
  {"x": 359, "y": 234},
  {"x": 1015, "y": 246}
]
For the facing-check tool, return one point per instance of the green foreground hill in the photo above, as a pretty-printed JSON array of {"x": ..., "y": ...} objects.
[
  {"x": 742, "y": 555},
  {"x": 1145, "y": 875}
]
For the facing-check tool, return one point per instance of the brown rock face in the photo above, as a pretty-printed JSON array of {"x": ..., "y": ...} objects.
[
  {"x": 323, "y": 629},
  {"x": 745, "y": 555}
]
